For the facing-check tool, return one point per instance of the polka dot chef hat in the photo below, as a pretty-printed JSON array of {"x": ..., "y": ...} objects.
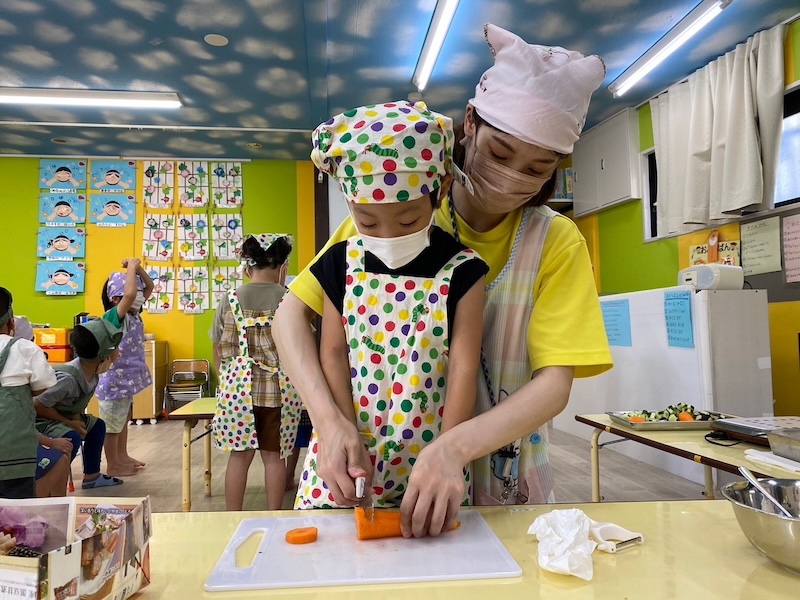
[{"x": 381, "y": 153}]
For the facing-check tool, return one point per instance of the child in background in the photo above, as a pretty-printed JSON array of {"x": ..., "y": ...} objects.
[
  {"x": 61, "y": 410},
  {"x": 24, "y": 373},
  {"x": 255, "y": 407},
  {"x": 123, "y": 296},
  {"x": 403, "y": 300}
]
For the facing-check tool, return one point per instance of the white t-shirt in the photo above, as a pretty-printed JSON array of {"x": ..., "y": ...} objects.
[{"x": 26, "y": 363}]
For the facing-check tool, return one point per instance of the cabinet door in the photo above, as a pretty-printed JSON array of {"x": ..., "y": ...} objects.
[
  {"x": 613, "y": 151},
  {"x": 584, "y": 175}
]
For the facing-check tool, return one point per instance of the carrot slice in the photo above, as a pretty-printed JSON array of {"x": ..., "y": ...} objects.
[
  {"x": 302, "y": 535},
  {"x": 685, "y": 416},
  {"x": 636, "y": 419},
  {"x": 385, "y": 524}
]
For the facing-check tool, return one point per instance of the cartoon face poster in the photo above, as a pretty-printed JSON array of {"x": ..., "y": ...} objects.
[
  {"x": 227, "y": 235},
  {"x": 112, "y": 210},
  {"x": 59, "y": 175},
  {"x": 112, "y": 175},
  {"x": 158, "y": 180},
  {"x": 62, "y": 210},
  {"x": 193, "y": 296},
  {"x": 226, "y": 184},
  {"x": 160, "y": 301},
  {"x": 61, "y": 243},
  {"x": 193, "y": 183},
  {"x": 159, "y": 237},
  {"x": 60, "y": 279}
]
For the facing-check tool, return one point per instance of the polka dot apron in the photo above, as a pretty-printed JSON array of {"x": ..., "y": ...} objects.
[
  {"x": 397, "y": 330},
  {"x": 234, "y": 420}
]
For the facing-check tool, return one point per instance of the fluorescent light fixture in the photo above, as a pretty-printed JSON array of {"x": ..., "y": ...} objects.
[
  {"x": 54, "y": 97},
  {"x": 434, "y": 39},
  {"x": 698, "y": 18}
]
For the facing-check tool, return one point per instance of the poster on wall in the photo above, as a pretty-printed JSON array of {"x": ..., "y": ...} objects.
[
  {"x": 159, "y": 237},
  {"x": 193, "y": 295},
  {"x": 193, "y": 237},
  {"x": 715, "y": 250},
  {"x": 226, "y": 184},
  {"x": 59, "y": 175},
  {"x": 161, "y": 300},
  {"x": 112, "y": 210},
  {"x": 158, "y": 180},
  {"x": 61, "y": 243},
  {"x": 114, "y": 176},
  {"x": 62, "y": 210},
  {"x": 193, "y": 183},
  {"x": 60, "y": 279},
  {"x": 227, "y": 235},
  {"x": 223, "y": 280}
]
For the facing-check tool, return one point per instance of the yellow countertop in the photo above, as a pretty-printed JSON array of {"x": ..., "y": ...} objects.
[{"x": 692, "y": 550}]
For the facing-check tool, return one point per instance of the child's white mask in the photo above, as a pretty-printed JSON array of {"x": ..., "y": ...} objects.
[
  {"x": 397, "y": 252},
  {"x": 138, "y": 301}
]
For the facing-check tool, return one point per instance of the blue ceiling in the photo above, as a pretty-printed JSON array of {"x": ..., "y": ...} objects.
[{"x": 291, "y": 64}]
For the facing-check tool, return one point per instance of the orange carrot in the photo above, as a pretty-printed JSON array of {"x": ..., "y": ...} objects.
[
  {"x": 636, "y": 419},
  {"x": 385, "y": 524},
  {"x": 302, "y": 535},
  {"x": 685, "y": 416}
]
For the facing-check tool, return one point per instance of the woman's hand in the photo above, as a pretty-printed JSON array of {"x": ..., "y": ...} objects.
[
  {"x": 435, "y": 491},
  {"x": 341, "y": 458}
]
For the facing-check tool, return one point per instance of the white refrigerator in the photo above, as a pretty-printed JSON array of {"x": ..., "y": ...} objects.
[{"x": 708, "y": 348}]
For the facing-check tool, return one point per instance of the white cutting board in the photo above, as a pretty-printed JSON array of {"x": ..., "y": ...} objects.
[{"x": 472, "y": 551}]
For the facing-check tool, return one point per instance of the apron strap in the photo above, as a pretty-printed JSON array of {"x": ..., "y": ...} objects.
[{"x": 4, "y": 353}]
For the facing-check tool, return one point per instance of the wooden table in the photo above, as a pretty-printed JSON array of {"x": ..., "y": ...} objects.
[
  {"x": 691, "y": 445},
  {"x": 201, "y": 410},
  {"x": 691, "y": 549}
]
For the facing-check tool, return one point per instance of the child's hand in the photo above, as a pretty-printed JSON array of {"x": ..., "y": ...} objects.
[
  {"x": 77, "y": 425},
  {"x": 63, "y": 445},
  {"x": 132, "y": 263}
]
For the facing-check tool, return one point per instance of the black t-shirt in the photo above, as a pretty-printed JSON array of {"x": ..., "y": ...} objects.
[{"x": 331, "y": 269}]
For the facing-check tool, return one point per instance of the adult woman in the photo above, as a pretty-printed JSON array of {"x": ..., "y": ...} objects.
[{"x": 542, "y": 322}]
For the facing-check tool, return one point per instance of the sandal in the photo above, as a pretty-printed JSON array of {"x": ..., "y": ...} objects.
[{"x": 101, "y": 481}]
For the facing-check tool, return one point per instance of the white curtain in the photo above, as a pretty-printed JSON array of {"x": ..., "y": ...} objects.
[{"x": 717, "y": 136}]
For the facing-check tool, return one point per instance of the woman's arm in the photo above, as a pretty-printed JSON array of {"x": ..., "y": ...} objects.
[
  {"x": 342, "y": 456},
  {"x": 333, "y": 359},
  {"x": 465, "y": 356},
  {"x": 436, "y": 485}
]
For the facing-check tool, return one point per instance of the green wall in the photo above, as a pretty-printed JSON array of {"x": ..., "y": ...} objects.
[
  {"x": 19, "y": 203},
  {"x": 627, "y": 264}
]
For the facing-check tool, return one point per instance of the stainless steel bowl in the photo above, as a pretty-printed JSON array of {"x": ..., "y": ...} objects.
[{"x": 776, "y": 536}]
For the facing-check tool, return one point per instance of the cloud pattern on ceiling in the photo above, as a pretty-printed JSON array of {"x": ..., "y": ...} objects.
[{"x": 290, "y": 64}]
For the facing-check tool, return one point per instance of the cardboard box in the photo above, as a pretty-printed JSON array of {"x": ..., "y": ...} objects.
[
  {"x": 58, "y": 354},
  {"x": 52, "y": 336},
  {"x": 93, "y": 548}
]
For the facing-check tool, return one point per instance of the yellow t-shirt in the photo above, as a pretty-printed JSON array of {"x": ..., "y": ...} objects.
[{"x": 566, "y": 326}]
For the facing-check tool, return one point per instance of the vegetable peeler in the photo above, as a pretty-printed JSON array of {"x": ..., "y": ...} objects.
[{"x": 605, "y": 535}]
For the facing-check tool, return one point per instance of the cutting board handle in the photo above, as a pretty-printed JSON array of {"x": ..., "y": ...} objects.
[{"x": 226, "y": 567}]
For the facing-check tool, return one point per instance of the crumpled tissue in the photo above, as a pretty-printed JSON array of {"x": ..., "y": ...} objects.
[
  {"x": 564, "y": 544},
  {"x": 568, "y": 537}
]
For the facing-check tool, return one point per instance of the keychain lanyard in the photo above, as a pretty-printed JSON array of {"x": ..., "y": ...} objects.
[{"x": 510, "y": 452}]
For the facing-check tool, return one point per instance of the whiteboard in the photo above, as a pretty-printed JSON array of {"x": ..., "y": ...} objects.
[{"x": 648, "y": 374}]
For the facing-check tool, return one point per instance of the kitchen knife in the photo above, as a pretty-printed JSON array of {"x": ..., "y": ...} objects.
[{"x": 367, "y": 502}]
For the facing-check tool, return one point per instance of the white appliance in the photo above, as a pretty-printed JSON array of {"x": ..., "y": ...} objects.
[
  {"x": 727, "y": 369},
  {"x": 712, "y": 277}
]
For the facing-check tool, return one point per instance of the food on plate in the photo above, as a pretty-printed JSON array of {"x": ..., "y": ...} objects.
[
  {"x": 7, "y": 543},
  {"x": 384, "y": 524},
  {"x": 674, "y": 413},
  {"x": 30, "y": 530},
  {"x": 302, "y": 535}
]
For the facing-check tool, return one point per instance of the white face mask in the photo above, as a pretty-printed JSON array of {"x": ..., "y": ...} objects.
[
  {"x": 139, "y": 301},
  {"x": 398, "y": 251}
]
